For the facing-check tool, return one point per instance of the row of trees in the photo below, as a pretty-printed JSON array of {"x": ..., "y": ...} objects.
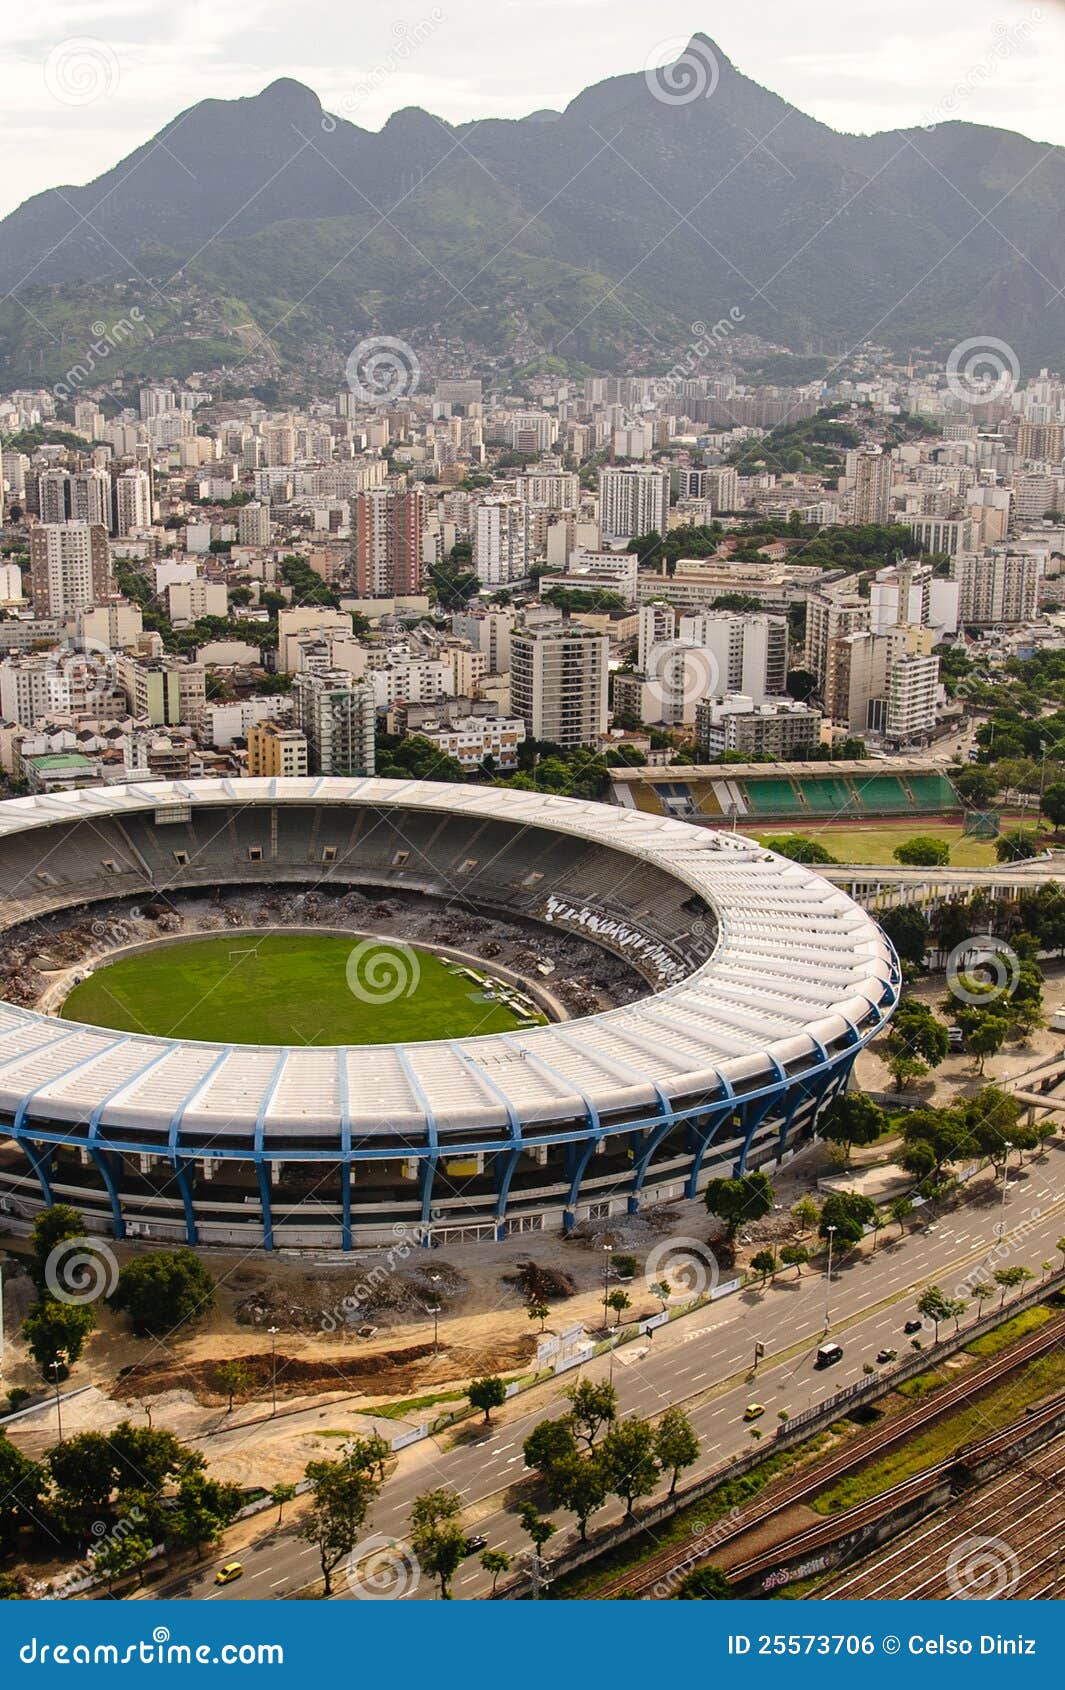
[
  {"x": 589, "y": 1454},
  {"x": 110, "y": 1498}
]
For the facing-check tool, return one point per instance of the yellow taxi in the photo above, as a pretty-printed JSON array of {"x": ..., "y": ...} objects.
[
  {"x": 232, "y": 1570},
  {"x": 754, "y": 1411}
]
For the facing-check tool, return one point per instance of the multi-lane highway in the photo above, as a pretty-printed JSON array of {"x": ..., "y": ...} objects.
[{"x": 702, "y": 1361}]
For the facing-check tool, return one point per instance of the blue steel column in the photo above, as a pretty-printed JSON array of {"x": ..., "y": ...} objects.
[
  {"x": 181, "y": 1163},
  {"x": 719, "y": 1114},
  {"x": 37, "y": 1159},
  {"x": 98, "y": 1159},
  {"x": 577, "y": 1155},
  {"x": 754, "y": 1112},
  {"x": 427, "y": 1165},
  {"x": 262, "y": 1173},
  {"x": 345, "y": 1148},
  {"x": 502, "y": 1171}
]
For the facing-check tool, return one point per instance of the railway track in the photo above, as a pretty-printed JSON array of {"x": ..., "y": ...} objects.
[
  {"x": 1004, "y": 1540},
  {"x": 667, "y": 1566},
  {"x": 826, "y": 1532}
]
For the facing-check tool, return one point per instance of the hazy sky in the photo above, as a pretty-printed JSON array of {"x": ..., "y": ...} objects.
[{"x": 85, "y": 81}]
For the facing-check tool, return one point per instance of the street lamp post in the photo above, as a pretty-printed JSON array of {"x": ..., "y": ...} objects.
[
  {"x": 435, "y": 1281},
  {"x": 828, "y": 1276},
  {"x": 54, "y": 1370},
  {"x": 273, "y": 1369},
  {"x": 607, "y": 1253}
]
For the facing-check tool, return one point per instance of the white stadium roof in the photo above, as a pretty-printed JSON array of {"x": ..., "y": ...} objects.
[{"x": 796, "y": 966}]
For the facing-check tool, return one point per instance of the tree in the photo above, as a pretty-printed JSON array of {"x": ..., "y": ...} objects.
[
  {"x": 627, "y": 1453},
  {"x": 907, "y": 928},
  {"x": 982, "y": 1292},
  {"x": 281, "y": 1494},
  {"x": 851, "y": 1119},
  {"x": 798, "y": 849},
  {"x": 919, "y": 1032},
  {"x": 535, "y": 1525},
  {"x": 676, "y": 1444},
  {"x": 1016, "y": 846},
  {"x": 121, "y": 1553},
  {"x": 341, "y": 1499},
  {"x": 1011, "y": 1279},
  {"x": 977, "y": 786},
  {"x": 794, "y": 1255},
  {"x": 849, "y": 1213},
  {"x": 735, "y": 1201},
  {"x": 933, "y": 1304},
  {"x": 56, "y": 1334},
  {"x": 437, "y": 1537},
  {"x": 51, "y": 1228},
  {"x": 594, "y": 1404},
  {"x": 83, "y": 1472},
  {"x": 486, "y": 1394},
  {"x": 203, "y": 1509},
  {"x": 162, "y": 1291},
  {"x": 923, "y": 851},
  {"x": 550, "y": 1443},
  {"x": 579, "y": 1483},
  {"x": 619, "y": 1301},
  {"x": 22, "y": 1484},
  {"x": 704, "y": 1584},
  {"x": 806, "y": 1212},
  {"x": 233, "y": 1379},
  {"x": 900, "y": 1209},
  {"x": 986, "y": 1036},
  {"x": 1052, "y": 803},
  {"x": 495, "y": 1561},
  {"x": 765, "y": 1264},
  {"x": 904, "y": 1068},
  {"x": 147, "y": 1458},
  {"x": 540, "y": 1312}
]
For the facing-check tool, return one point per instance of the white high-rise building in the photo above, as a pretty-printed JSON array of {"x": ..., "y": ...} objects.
[
  {"x": 253, "y": 524},
  {"x": 501, "y": 541},
  {"x": 133, "y": 502},
  {"x": 749, "y": 654},
  {"x": 912, "y": 684},
  {"x": 559, "y": 683},
  {"x": 633, "y": 501},
  {"x": 75, "y": 496},
  {"x": 997, "y": 586}
]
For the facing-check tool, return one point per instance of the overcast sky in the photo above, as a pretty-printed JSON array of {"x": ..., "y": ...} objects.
[{"x": 85, "y": 81}]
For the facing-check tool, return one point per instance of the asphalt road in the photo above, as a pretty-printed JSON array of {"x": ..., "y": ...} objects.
[{"x": 702, "y": 1361}]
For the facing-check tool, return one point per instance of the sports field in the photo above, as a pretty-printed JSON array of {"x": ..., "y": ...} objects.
[
  {"x": 290, "y": 989},
  {"x": 876, "y": 843}
]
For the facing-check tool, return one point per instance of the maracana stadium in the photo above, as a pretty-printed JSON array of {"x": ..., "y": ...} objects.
[{"x": 759, "y": 982}]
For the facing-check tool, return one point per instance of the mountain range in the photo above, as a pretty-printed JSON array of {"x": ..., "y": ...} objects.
[{"x": 265, "y": 233}]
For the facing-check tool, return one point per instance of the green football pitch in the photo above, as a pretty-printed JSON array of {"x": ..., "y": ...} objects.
[{"x": 289, "y": 989}]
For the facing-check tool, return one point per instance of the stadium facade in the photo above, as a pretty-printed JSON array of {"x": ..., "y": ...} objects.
[{"x": 763, "y": 983}]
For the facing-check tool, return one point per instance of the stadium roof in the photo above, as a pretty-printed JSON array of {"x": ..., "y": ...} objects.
[{"x": 795, "y": 967}]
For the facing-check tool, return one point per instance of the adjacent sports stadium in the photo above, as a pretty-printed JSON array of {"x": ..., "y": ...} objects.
[{"x": 760, "y": 984}]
